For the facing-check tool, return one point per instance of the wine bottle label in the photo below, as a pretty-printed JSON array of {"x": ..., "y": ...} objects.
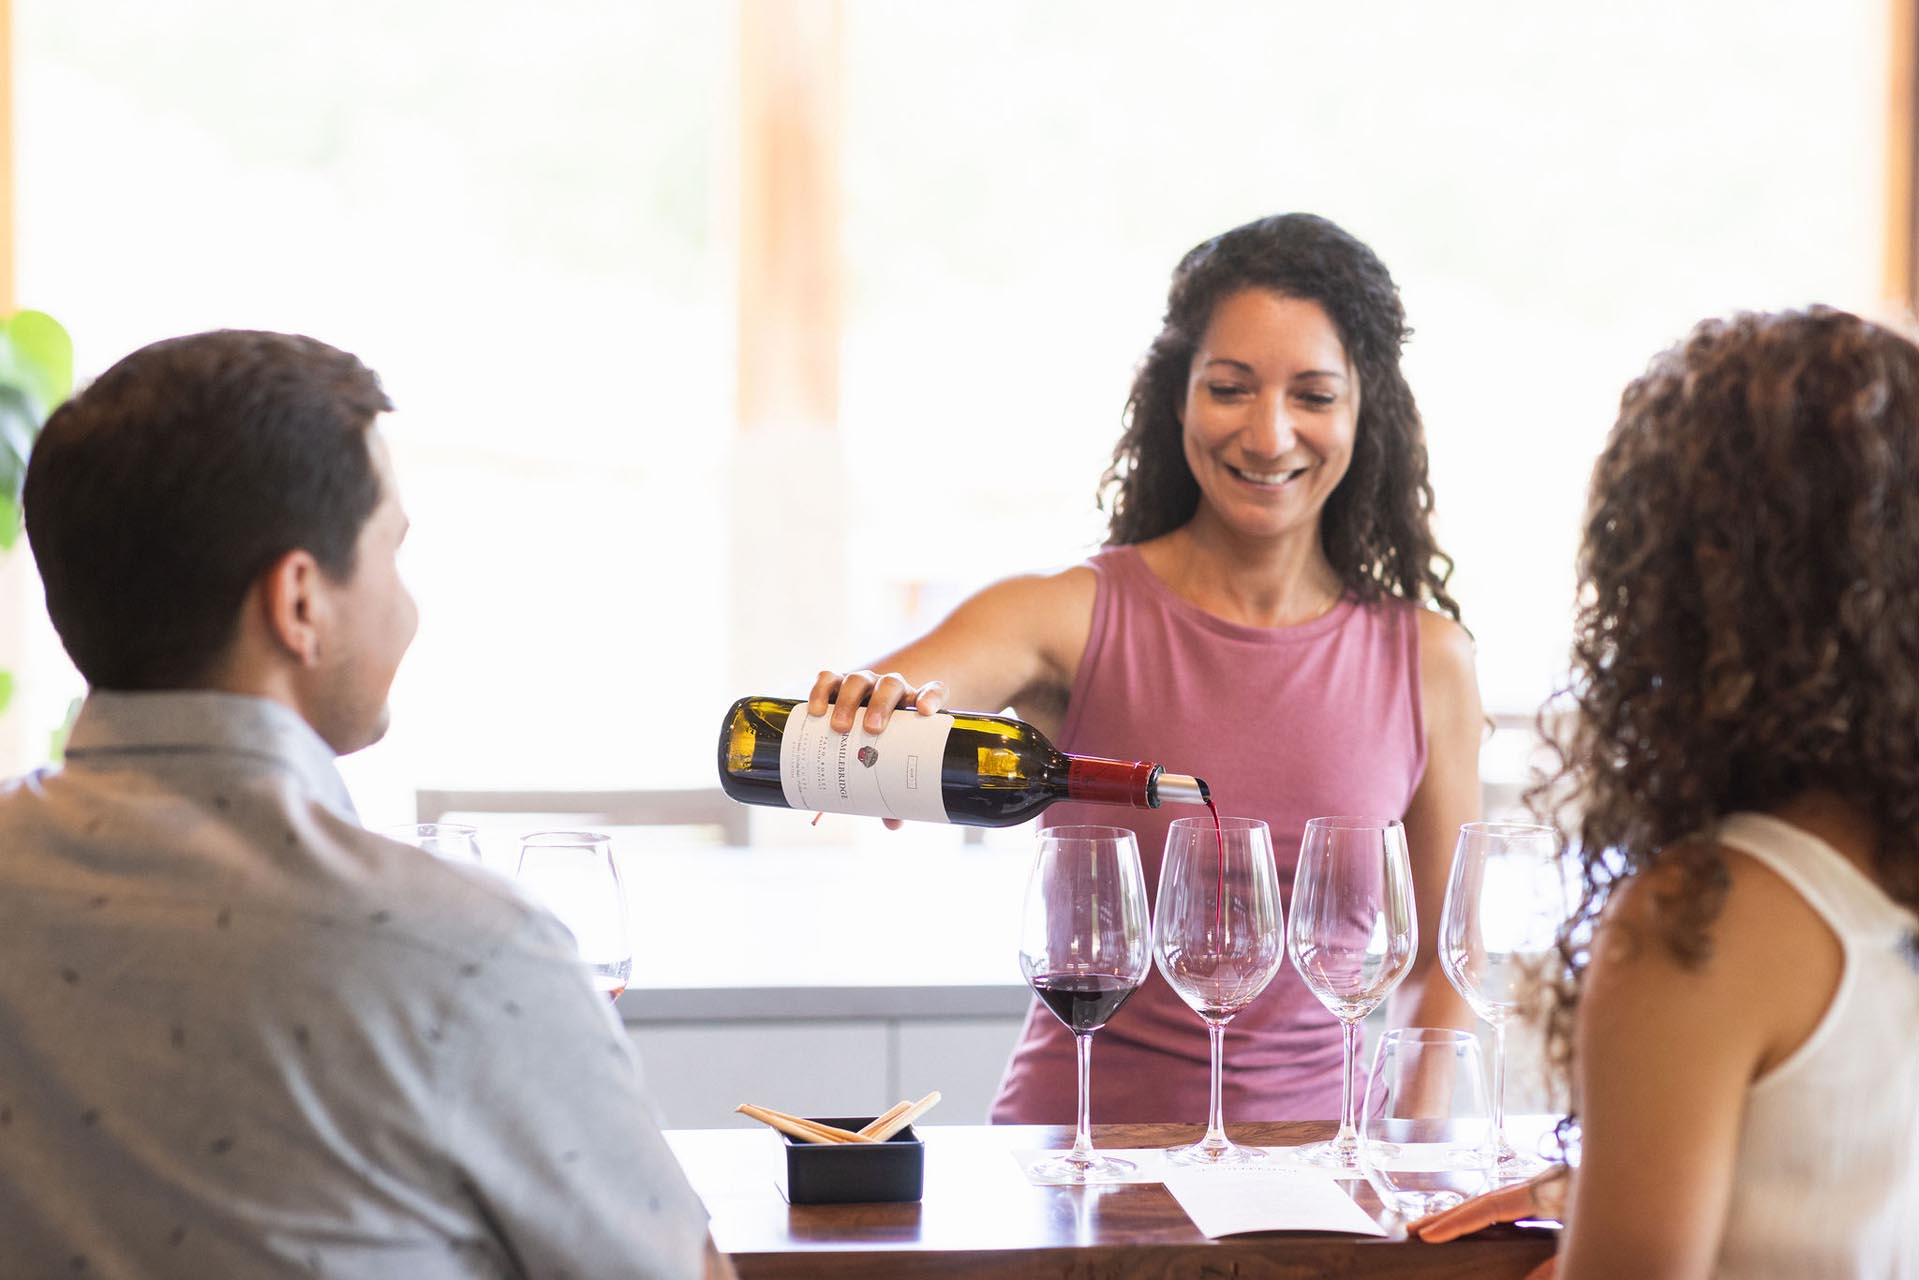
[{"x": 892, "y": 774}]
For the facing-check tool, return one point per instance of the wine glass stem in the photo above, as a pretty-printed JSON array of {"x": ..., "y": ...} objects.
[
  {"x": 1216, "y": 1112},
  {"x": 1348, "y": 1117},
  {"x": 1083, "y": 1130},
  {"x": 1501, "y": 1146}
]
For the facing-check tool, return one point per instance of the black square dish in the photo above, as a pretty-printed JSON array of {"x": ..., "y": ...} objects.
[{"x": 854, "y": 1172}]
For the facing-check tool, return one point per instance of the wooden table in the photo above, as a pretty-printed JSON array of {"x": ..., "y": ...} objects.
[{"x": 980, "y": 1217}]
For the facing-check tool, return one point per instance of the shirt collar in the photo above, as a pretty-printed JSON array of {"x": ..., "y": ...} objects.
[{"x": 193, "y": 722}]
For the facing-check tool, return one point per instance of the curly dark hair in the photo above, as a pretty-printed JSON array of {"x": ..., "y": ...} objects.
[
  {"x": 1376, "y": 529},
  {"x": 1746, "y": 624}
]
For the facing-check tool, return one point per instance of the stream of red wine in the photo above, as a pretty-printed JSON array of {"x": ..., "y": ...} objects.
[{"x": 1219, "y": 834}]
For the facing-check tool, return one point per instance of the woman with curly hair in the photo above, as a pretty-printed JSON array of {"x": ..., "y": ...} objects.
[
  {"x": 1743, "y": 763},
  {"x": 1270, "y": 612}
]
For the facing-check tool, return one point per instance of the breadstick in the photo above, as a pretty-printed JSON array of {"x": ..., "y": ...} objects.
[
  {"x": 872, "y": 1128},
  {"x": 799, "y": 1127},
  {"x": 906, "y": 1117}
]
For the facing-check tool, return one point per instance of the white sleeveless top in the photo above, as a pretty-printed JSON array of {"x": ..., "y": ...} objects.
[{"x": 1827, "y": 1177}]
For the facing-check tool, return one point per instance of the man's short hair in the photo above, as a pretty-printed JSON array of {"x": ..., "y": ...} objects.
[{"x": 157, "y": 496}]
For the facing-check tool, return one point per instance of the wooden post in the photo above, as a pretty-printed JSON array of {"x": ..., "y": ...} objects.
[
  {"x": 789, "y": 492},
  {"x": 1901, "y": 270},
  {"x": 8, "y": 301},
  {"x": 18, "y": 751},
  {"x": 789, "y": 264}
]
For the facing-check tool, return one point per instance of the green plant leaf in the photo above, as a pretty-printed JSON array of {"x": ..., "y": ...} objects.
[
  {"x": 43, "y": 348},
  {"x": 36, "y": 374},
  {"x": 17, "y": 428}
]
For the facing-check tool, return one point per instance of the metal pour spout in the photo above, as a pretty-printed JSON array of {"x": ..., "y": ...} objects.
[{"x": 1182, "y": 788}]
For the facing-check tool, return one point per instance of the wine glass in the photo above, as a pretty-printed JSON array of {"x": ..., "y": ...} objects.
[
  {"x": 1506, "y": 900},
  {"x": 573, "y": 875},
  {"x": 453, "y": 841},
  {"x": 1217, "y": 941},
  {"x": 1084, "y": 944},
  {"x": 1423, "y": 1135},
  {"x": 1352, "y": 937}
]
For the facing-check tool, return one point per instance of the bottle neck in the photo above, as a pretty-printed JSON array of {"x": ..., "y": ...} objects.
[{"x": 1100, "y": 781}]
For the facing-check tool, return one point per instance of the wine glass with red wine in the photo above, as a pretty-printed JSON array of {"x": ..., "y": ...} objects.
[
  {"x": 1084, "y": 947},
  {"x": 1217, "y": 940},
  {"x": 573, "y": 875}
]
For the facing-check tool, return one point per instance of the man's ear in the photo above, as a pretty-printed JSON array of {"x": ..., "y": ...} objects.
[{"x": 291, "y": 598}]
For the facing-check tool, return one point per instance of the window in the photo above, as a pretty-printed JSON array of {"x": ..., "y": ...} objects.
[
  {"x": 524, "y": 218},
  {"x": 506, "y": 211}
]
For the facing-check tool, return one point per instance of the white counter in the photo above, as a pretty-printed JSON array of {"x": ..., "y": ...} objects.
[
  {"x": 725, "y": 932},
  {"x": 826, "y": 979}
]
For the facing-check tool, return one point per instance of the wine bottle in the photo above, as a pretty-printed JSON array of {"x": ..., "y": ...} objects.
[{"x": 953, "y": 766}]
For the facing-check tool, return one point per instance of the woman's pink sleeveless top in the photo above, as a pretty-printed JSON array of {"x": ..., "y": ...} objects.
[{"x": 1285, "y": 725}]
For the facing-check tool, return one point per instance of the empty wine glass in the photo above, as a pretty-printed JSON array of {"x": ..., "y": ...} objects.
[
  {"x": 1217, "y": 941},
  {"x": 1506, "y": 899},
  {"x": 1084, "y": 946},
  {"x": 1352, "y": 937},
  {"x": 573, "y": 875},
  {"x": 1423, "y": 1135},
  {"x": 451, "y": 840}
]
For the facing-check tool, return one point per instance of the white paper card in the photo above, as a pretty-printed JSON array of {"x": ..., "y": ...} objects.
[{"x": 1225, "y": 1202}]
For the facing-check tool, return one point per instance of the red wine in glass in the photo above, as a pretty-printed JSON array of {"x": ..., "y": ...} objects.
[
  {"x": 1085, "y": 946},
  {"x": 1084, "y": 1001}
]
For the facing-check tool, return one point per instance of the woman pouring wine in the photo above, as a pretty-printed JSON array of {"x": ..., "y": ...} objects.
[{"x": 1270, "y": 613}]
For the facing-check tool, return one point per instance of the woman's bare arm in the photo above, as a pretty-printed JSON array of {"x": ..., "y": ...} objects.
[
  {"x": 1019, "y": 639},
  {"x": 1448, "y": 795},
  {"x": 1665, "y": 1055}
]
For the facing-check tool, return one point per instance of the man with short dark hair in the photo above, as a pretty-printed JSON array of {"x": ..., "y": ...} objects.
[{"x": 239, "y": 1034}]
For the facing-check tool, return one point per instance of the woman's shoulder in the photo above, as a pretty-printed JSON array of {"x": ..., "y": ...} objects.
[
  {"x": 1717, "y": 891},
  {"x": 1718, "y": 929},
  {"x": 1448, "y": 656},
  {"x": 1439, "y": 634},
  {"x": 1039, "y": 594},
  {"x": 1047, "y": 615}
]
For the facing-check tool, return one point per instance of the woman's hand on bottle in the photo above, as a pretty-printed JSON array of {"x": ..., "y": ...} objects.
[
  {"x": 842, "y": 694},
  {"x": 882, "y": 694}
]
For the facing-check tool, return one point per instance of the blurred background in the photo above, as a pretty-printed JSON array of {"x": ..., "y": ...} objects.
[
  {"x": 731, "y": 341},
  {"x": 734, "y": 340}
]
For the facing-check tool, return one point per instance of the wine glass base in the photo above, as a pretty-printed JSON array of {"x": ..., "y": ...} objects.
[
  {"x": 1410, "y": 1206},
  {"x": 1341, "y": 1158},
  {"x": 1216, "y": 1155},
  {"x": 1514, "y": 1166},
  {"x": 1065, "y": 1169}
]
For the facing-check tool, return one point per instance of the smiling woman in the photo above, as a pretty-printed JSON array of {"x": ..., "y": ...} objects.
[
  {"x": 1268, "y": 606},
  {"x": 1291, "y": 323},
  {"x": 1269, "y": 417}
]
